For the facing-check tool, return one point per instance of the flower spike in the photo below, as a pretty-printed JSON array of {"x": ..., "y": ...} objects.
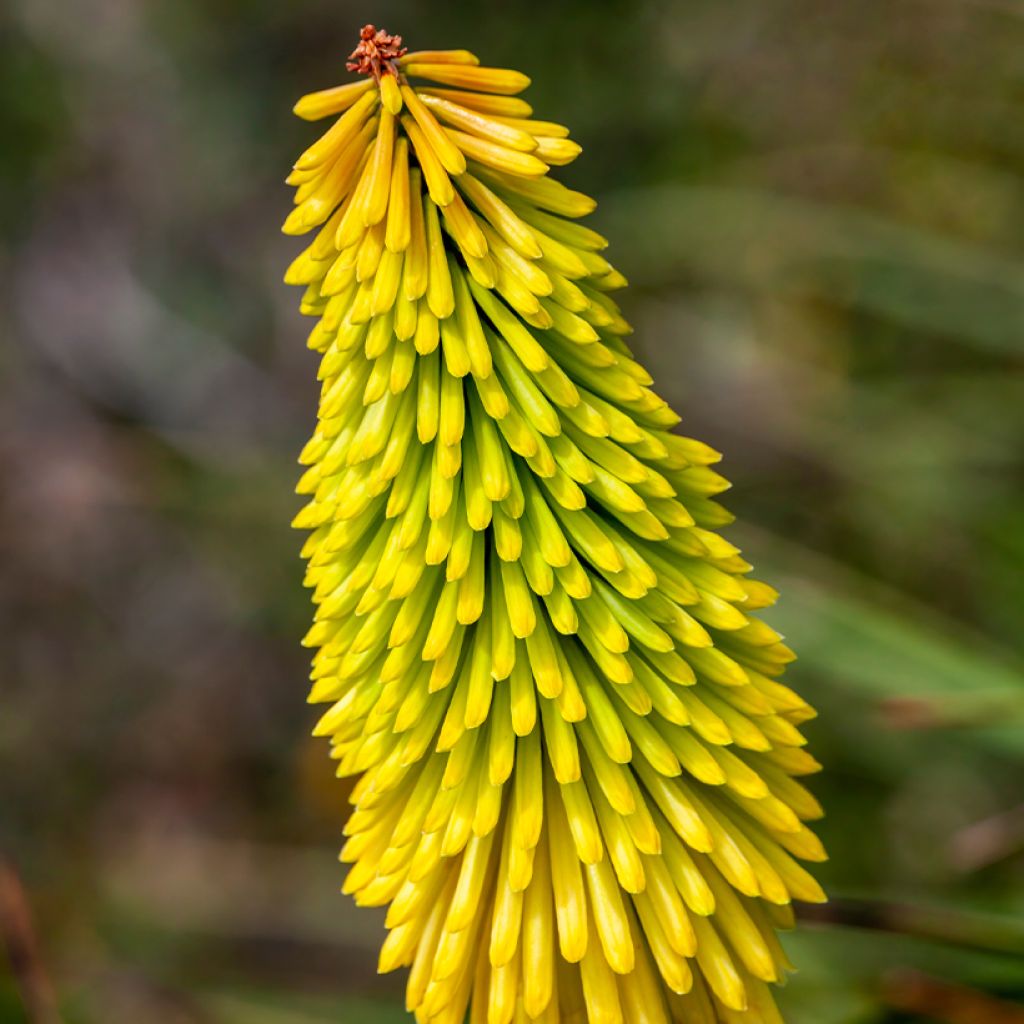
[{"x": 578, "y": 790}]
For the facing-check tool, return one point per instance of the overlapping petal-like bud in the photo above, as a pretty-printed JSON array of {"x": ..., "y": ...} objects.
[{"x": 578, "y": 786}]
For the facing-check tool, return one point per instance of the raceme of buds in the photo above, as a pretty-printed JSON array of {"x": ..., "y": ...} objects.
[{"x": 578, "y": 791}]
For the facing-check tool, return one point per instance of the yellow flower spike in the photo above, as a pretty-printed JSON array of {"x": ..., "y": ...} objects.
[{"x": 578, "y": 790}]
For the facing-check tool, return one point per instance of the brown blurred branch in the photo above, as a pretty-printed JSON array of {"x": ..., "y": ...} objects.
[
  {"x": 19, "y": 937},
  {"x": 915, "y": 992}
]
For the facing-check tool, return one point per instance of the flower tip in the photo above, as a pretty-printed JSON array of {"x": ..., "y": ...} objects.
[{"x": 376, "y": 53}]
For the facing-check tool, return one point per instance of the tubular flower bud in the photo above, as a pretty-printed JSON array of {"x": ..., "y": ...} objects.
[{"x": 578, "y": 789}]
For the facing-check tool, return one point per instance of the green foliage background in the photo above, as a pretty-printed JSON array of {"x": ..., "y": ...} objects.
[{"x": 819, "y": 205}]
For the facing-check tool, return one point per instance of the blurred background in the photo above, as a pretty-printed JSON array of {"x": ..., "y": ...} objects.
[{"x": 819, "y": 205}]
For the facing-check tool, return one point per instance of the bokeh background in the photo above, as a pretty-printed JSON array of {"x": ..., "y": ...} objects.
[{"x": 820, "y": 207}]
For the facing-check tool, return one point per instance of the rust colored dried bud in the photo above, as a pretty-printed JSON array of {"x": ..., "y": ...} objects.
[{"x": 376, "y": 52}]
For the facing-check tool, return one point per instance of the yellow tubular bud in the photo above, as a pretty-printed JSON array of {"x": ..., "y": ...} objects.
[
  {"x": 494, "y": 106},
  {"x": 300, "y": 177},
  {"x": 386, "y": 282},
  {"x": 559, "y": 736},
  {"x": 579, "y": 811},
  {"x": 351, "y": 227},
  {"x": 501, "y": 217},
  {"x": 439, "y": 295},
  {"x": 718, "y": 967},
  {"x": 375, "y": 202},
  {"x": 414, "y": 281},
  {"x": 497, "y": 156},
  {"x": 368, "y": 257},
  {"x": 434, "y": 135},
  {"x": 538, "y": 937},
  {"x": 531, "y": 275},
  {"x": 406, "y": 319},
  {"x": 390, "y": 96},
  {"x": 477, "y": 124},
  {"x": 482, "y": 269},
  {"x": 508, "y": 908},
  {"x": 523, "y": 697},
  {"x": 497, "y": 80},
  {"x": 438, "y": 57},
  {"x": 641, "y": 994},
  {"x": 528, "y": 793},
  {"x": 599, "y": 988},
  {"x": 330, "y": 187},
  {"x": 453, "y": 344},
  {"x": 475, "y": 863},
  {"x": 470, "y": 328},
  {"x": 399, "y": 228},
  {"x": 538, "y": 129},
  {"x": 566, "y": 880},
  {"x": 342, "y": 132},
  {"x": 438, "y": 183},
  {"x": 316, "y": 105},
  {"x": 501, "y": 1004},
  {"x": 735, "y": 925},
  {"x": 427, "y": 332},
  {"x": 545, "y": 193},
  {"x": 557, "y": 152},
  {"x": 502, "y": 743},
  {"x": 463, "y": 228}
]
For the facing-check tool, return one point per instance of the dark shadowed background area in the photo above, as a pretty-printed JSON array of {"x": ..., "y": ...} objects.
[{"x": 820, "y": 208}]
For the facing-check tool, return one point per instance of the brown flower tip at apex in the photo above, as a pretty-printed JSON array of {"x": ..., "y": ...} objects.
[{"x": 376, "y": 53}]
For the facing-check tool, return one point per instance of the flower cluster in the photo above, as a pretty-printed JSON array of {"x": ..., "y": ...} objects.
[{"x": 578, "y": 772}]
